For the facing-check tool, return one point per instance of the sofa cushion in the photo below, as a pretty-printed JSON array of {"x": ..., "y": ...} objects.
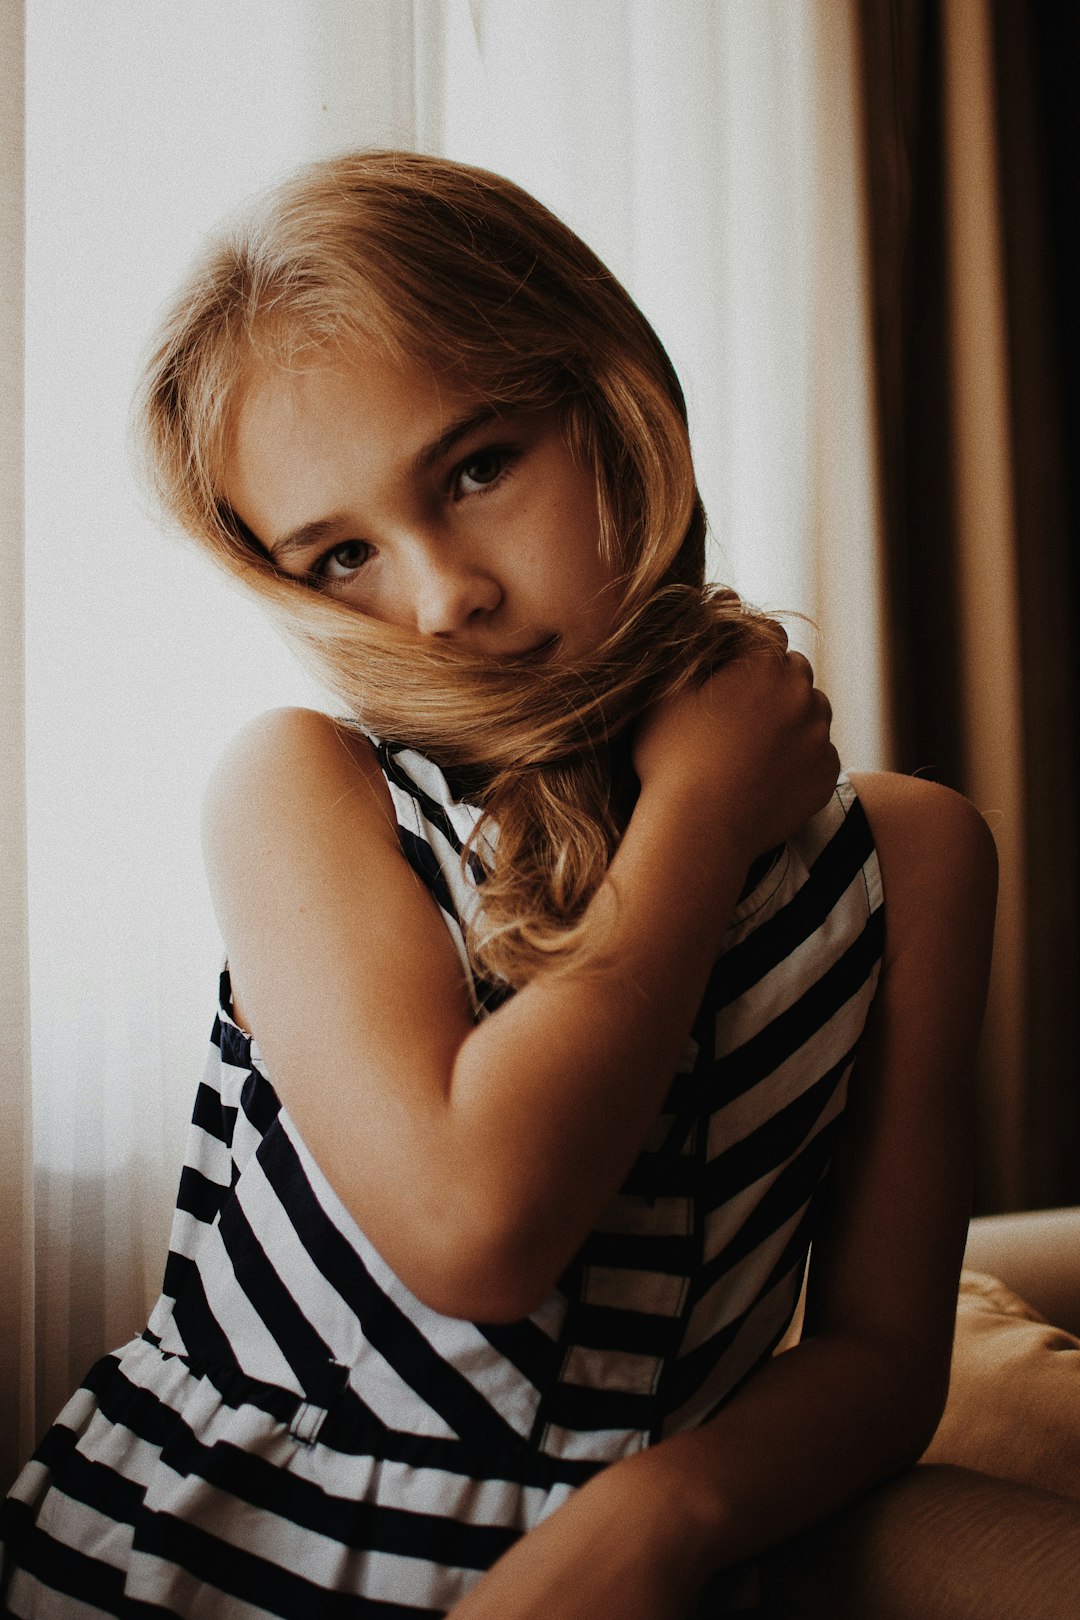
[{"x": 1014, "y": 1396}]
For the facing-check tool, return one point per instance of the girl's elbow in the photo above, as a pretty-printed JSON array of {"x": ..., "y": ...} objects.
[
  {"x": 478, "y": 1271},
  {"x": 915, "y": 1400},
  {"x": 478, "y": 1289},
  {"x": 479, "y": 1302},
  {"x": 923, "y": 1413}
]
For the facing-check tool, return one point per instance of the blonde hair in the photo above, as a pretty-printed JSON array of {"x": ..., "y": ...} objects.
[{"x": 432, "y": 261}]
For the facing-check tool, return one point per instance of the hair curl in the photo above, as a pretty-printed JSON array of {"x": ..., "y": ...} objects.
[{"x": 432, "y": 261}]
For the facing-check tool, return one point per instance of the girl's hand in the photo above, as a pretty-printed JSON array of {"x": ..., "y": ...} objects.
[
  {"x": 752, "y": 740},
  {"x": 615, "y": 1550}
]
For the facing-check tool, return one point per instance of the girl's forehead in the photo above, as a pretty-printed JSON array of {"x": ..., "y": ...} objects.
[
  {"x": 333, "y": 391},
  {"x": 294, "y": 366},
  {"x": 380, "y": 389}
]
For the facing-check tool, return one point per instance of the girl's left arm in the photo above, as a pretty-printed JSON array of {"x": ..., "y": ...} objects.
[{"x": 860, "y": 1396}]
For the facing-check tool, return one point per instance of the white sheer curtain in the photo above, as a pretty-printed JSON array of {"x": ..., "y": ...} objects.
[
  {"x": 144, "y": 124},
  {"x": 16, "y": 1260},
  {"x": 711, "y": 162}
]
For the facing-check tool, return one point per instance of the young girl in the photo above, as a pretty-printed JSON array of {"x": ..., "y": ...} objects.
[{"x": 535, "y": 1071}]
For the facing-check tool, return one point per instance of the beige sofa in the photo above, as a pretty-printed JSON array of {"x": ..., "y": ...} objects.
[{"x": 987, "y": 1527}]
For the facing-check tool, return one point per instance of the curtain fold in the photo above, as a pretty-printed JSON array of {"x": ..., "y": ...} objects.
[
  {"x": 983, "y": 517},
  {"x": 1036, "y": 176},
  {"x": 981, "y": 607},
  {"x": 16, "y": 1246}
]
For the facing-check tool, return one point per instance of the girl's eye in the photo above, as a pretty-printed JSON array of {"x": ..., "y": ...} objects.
[
  {"x": 343, "y": 560},
  {"x": 482, "y": 470}
]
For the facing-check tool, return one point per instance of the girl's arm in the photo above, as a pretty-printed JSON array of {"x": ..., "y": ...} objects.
[
  {"x": 860, "y": 1396},
  {"x": 476, "y": 1158}
]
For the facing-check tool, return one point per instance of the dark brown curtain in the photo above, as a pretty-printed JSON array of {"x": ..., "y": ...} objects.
[{"x": 913, "y": 71}]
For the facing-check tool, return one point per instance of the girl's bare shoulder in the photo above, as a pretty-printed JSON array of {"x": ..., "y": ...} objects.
[
  {"x": 283, "y": 774},
  {"x": 911, "y": 808},
  {"x": 937, "y": 853}
]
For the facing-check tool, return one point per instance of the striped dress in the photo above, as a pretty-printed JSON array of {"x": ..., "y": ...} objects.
[{"x": 295, "y": 1434}]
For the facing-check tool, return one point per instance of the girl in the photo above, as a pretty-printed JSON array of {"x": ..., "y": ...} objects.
[{"x": 534, "y": 1074}]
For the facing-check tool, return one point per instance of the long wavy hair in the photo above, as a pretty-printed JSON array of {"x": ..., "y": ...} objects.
[{"x": 427, "y": 260}]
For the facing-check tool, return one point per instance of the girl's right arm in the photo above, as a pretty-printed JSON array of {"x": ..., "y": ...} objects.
[{"x": 477, "y": 1156}]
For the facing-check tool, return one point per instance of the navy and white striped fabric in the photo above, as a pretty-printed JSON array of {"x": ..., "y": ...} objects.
[{"x": 294, "y": 1434}]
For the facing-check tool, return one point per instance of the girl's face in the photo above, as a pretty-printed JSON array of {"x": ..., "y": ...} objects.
[{"x": 420, "y": 507}]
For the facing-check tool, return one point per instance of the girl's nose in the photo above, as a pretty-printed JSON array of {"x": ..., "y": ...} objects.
[{"x": 453, "y": 596}]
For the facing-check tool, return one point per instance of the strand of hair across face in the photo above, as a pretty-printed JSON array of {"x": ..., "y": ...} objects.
[{"x": 545, "y": 749}]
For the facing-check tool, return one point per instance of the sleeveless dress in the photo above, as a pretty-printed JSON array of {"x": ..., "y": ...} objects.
[{"x": 294, "y": 1434}]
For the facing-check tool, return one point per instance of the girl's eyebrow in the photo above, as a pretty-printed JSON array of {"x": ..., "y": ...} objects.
[
  {"x": 308, "y": 534},
  {"x": 460, "y": 429}
]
